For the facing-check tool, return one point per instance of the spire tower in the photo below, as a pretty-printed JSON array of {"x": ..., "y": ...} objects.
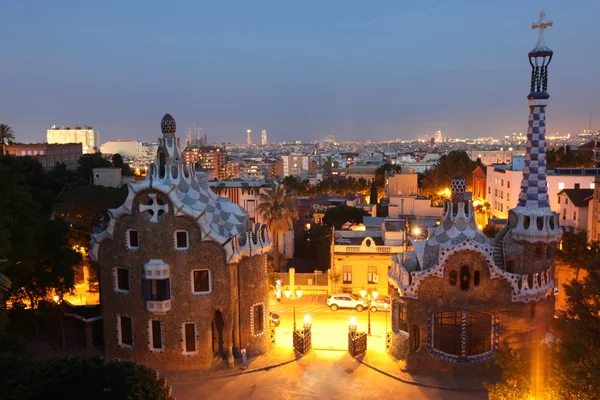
[{"x": 533, "y": 220}]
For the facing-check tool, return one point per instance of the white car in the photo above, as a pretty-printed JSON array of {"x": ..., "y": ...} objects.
[{"x": 346, "y": 300}]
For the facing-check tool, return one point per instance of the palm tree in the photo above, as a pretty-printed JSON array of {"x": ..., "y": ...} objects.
[
  {"x": 277, "y": 208},
  {"x": 7, "y": 134}
]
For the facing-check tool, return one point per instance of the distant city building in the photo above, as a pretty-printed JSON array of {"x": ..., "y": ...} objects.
[
  {"x": 249, "y": 137},
  {"x": 126, "y": 148},
  {"x": 47, "y": 154},
  {"x": 209, "y": 157},
  {"x": 107, "y": 177},
  {"x": 297, "y": 165},
  {"x": 438, "y": 137},
  {"x": 401, "y": 184},
  {"x": 146, "y": 152},
  {"x": 264, "y": 137},
  {"x": 501, "y": 156},
  {"x": 88, "y": 137}
]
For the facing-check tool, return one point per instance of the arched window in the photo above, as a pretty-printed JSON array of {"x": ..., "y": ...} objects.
[
  {"x": 416, "y": 337},
  {"x": 453, "y": 275},
  {"x": 462, "y": 333},
  {"x": 465, "y": 277},
  {"x": 476, "y": 277}
]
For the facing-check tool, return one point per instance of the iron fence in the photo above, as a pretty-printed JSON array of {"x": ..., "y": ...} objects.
[
  {"x": 357, "y": 343},
  {"x": 303, "y": 340}
]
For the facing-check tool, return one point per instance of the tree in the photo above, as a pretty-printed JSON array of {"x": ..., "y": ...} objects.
[
  {"x": 456, "y": 162},
  {"x": 339, "y": 215},
  {"x": 79, "y": 377},
  {"x": 570, "y": 367},
  {"x": 117, "y": 162},
  {"x": 279, "y": 211},
  {"x": 576, "y": 252},
  {"x": 7, "y": 134},
  {"x": 88, "y": 162}
]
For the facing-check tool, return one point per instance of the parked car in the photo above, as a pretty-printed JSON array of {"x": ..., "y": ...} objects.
[
  {"x": 275, "y": 319},
  {"x": 346, "y": 300},
  {"x": 379, "y": 303}
]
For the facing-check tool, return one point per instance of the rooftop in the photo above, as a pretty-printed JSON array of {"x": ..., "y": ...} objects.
[{"x": 579, "y": 197}]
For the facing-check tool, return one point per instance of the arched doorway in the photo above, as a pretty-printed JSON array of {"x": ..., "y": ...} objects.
[{"x": 218, "y": 325}]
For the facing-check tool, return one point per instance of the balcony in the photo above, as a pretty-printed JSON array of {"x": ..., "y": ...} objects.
[
  {"x": 156, "y": 269},
  {"x": 158, "y": 306},
  {"x": 370, "y": 249}
]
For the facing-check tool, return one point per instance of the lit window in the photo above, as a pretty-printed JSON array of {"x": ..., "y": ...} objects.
[
  {"x": 372, "y": 275},
  {"x": 181, "y": 240},
  {"x": 347, "y": 276},
  {"x": 561, "y": 185},
  {"x": 462, "y": 332},
  {"x": 122, "y": 280},
  {"x": 201, "y": 282}
]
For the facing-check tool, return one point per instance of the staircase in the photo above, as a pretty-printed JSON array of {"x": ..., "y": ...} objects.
[{"x": 499, "y": 248}]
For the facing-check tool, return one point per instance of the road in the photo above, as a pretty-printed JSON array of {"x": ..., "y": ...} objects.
[
  {"x": 329, "y": 328},
  {"x": 322, "y": 374}
]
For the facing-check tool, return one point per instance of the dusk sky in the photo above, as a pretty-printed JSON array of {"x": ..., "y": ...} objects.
[{"x": 359, "y": 70}]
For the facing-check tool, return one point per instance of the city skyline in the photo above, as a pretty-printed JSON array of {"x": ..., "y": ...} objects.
[{"x": 302, "y": 72}]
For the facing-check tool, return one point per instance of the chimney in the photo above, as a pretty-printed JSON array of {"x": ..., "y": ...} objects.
[{"x": 577, "y": 186}]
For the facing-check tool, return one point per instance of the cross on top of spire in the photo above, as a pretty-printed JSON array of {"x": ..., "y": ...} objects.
[{"x": 541, "y": 25}]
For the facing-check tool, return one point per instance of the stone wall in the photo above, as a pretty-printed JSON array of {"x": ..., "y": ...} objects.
[{"x": 215, "y": 314}]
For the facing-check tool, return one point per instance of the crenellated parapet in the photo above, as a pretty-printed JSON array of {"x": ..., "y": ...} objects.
[{"x": 525, "y": 288}]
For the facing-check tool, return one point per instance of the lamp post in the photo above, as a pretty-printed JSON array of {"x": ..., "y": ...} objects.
[
  {"x": 306, "y": 323},
  {"x": 352, "y": 325},
  {"x": 296, "y": 294},
  {"x": 370, "y": 296}
]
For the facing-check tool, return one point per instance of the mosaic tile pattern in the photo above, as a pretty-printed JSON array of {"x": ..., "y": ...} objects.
[{"x": 534, "y": 188}]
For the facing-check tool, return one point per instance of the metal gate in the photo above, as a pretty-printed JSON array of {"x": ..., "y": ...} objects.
[
  {"x": 357, "y": 342},
  {"x": 303, "y": 340}
]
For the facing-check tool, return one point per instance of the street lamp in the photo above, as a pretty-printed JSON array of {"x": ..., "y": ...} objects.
[
  {"x": 352, "y": 325},
  {"x": 306, "y": 323},
  {"x": 370, "y": 297},
  {"x": 294, "y": 296}
]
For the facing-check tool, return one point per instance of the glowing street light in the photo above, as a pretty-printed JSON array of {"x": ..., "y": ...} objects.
[
  {"x": 55, "y": 298},
  {"x": 306, "y": 323},
  {"x": 370, "y": 297},
  {"x": 293, "y": 296},
  {"x": 352, "y": 325},
  {"x": 416, "y": 231}
]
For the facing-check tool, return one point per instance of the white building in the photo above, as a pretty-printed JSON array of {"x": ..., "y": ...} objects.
[
  {"x": 88, "y": 137},
  {"x": 504, "y": 184},
  {"x": 489, "y": 157},
  {"x": 126, "y": 148},
  {"x": 418, "y": 206},
  {"x": 146, "y": 153},
  {"x": 108, "y": 177},
  {"x": 574, "y": 209}
]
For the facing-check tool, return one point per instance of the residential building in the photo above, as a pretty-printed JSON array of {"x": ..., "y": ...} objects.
[
  {"x": 232, "y": 169},
  {"x": 412, "y": 206},
  {"x": 182, "y": 274},
  {"x": 88, "y": 137},
  {"x": 501, "y": 156},
  {"x": 401, "y": 184},
  {"x": 126, "y": 148},
  {"x": 297, "y": 165},
  {"x": 47, "y": 154},
  {"x": 362, "y": 258},
  {"x": 573, "y": 210},
  {"x": 479, "y": 184},
  {"x": 209, "y": 157},
  {"x": 246, "y": 194},
  {"x": 460, "y": 296},
  {"x": 596, "y": 151},
  {"x": 146, "y": 152},
  {"x": 365, "y": 171},
  {"x": 108, "y": 177},
  {"x": 504, "y": 184},
  {"x": 594, "y": 213}
]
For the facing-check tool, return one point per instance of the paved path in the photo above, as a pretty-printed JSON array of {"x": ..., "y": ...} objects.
[{"x": 319, "y": 375}]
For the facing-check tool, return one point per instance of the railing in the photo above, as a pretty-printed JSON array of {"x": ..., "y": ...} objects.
[
  {"x": 371, "y": 249},
  {"x": 158, "y": 306},
  {"x": 357, "y": 343}
]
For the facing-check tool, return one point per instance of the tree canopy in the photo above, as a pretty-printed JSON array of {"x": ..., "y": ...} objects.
[
  {"x": 456, "y": 162},
  {"x": 88, "y": 162},
  {"x": 338, "y": 216},
  {"x": 7, "y": 134},
  {"x": 564, "y": 157},
  {"x": 79, "y": 378}
]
